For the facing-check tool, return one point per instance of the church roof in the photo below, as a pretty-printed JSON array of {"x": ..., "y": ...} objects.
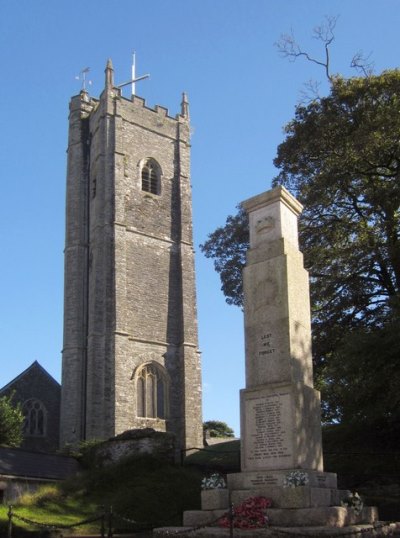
[
  {"x": 35, "y": 366},
  {"x": 15, "y": 462}
]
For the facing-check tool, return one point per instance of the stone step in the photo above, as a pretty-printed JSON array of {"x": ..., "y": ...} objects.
[
  {"x": 194, "y": 518},
  {"x": 328, "y": 516},
  {"x": 352, "y": 531}
]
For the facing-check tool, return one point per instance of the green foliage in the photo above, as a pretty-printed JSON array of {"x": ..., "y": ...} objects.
[
  {"x": 227, "y": 245},
  {"x": 216, "y": 428},
  {"x": 84, "y": 451},
  {"x": 361, "y": 378},
  {"x": 11, "y": 420},
  {"x": 341, "y": 159}
]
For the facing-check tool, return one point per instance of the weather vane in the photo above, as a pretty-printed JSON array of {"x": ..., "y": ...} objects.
[{"x": 83, "y": 77}]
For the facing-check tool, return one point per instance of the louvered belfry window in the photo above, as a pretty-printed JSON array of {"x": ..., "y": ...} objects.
[
  {"x": 151, "y": 393},
  {"x": 151, "y": 177}
]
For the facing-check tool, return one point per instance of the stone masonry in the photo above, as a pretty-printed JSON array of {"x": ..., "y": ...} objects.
[{"x": 129, "y": 271}]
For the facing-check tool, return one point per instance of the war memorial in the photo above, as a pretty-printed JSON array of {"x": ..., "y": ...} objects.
[{"x": 281, "y": 448}]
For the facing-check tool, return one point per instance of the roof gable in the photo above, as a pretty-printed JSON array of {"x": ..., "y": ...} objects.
[{"x": 36, "y": 368}]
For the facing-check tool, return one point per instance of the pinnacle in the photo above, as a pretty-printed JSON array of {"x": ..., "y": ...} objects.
[{"x": 185, "y": 105}]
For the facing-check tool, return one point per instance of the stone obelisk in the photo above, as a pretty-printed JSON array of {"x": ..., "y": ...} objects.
[{"x": 280, "y": 409}]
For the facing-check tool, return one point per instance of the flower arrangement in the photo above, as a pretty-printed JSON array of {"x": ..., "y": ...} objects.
[
  {"x": 295, "y": 479},
  {"x": 215, "y": 481},
  {"x": 250, "y": 514},
  {"x": 353, "y": 501}
]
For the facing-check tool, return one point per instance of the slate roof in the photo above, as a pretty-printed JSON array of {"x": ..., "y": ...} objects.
[
  {"x": 35, "y": 366},
  {"x": 21, "y": 463}
]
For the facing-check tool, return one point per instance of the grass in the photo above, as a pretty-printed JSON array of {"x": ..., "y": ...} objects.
[
  {"x": 149, "y": 491},
  {"x": 223, "y": 457},
  {"x": 49, "y": 505}
]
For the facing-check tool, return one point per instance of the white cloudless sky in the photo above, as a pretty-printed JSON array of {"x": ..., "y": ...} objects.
[{"x": 241, "y": 94}]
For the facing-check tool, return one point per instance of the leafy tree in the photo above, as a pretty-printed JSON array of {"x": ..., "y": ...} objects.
[
  {"x": 361, "y": 378},
  {"x": 11, "y": 419},
  {"x": 216, "y": 428},
  {"x": 341, "y": 159},
  {"x": 227, "y": 245}
]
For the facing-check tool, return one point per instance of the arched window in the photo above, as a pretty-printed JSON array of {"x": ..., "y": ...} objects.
[
  {"x": 151, "y": 176},
  {"x": 151, "y": 392},
  {"x": 35, "y": 418}
]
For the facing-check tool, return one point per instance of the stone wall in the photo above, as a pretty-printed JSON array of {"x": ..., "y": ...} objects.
[{"x": 136, "y": 443}]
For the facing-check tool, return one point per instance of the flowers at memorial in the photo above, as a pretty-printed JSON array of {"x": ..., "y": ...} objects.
[
  {"x": 250, "y": 514},
  {"x": 295, "y": 479},
  {"x": 353, "y": 501},
  {"x": 214, "y": 481}
]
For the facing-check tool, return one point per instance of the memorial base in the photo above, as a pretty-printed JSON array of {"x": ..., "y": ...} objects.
[
  {"x": 313, "y": 504},
  {"x": 319, "y": 489},
  {"x": 327, "y": 516}
]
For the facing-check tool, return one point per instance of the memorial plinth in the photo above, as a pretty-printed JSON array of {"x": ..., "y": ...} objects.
[{"x": 281, "y": 448}]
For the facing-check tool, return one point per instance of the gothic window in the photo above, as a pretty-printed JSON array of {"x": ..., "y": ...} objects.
[
  {"x": 151, "y": 392},
  {"x": 151, "y": 176},
  {"x": 35, "y": 418}
]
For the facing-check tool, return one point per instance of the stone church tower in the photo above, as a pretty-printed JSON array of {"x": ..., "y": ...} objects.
[{"x": 130, "y": 355}]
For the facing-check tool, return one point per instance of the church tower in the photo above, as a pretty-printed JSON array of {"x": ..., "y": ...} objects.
[{"x": 130, "y": 354}]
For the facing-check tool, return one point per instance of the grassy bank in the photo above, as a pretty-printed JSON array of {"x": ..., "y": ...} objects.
[{"x": 148, "y": 491}]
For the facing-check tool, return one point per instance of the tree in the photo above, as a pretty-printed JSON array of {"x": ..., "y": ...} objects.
[
  {"x": 341, "y": 159},
  {"x": 11, "y": 420},
  {"x": 227, "y": 245},
  {"x": 361, "y": 378},
  {"x": 216, "y": 428}
]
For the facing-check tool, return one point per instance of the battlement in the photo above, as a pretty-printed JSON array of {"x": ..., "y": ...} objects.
[{"x": 162, "y": 111}]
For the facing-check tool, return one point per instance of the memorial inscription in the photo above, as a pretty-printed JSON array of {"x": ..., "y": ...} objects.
[
  {"x": 266, "y": 345},
  {"x": 263, "y": 479},
  {"x": 270, "y": 439}
]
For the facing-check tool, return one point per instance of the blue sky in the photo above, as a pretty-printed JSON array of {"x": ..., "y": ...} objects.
[{"x": 241, "y": 95}]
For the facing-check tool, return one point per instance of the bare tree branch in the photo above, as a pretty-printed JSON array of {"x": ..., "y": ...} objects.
[
  {"x": 362, "y": 63},
  {"x": 310, "y": 92},
  {"x": 289, "y": 48}
]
